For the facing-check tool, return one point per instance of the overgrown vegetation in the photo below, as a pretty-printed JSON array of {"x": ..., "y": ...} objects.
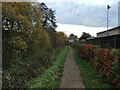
[
  {"x": 90, "y": 77},
  {"x": 84, "y": 36},
  {"x": 106, "y": 62},
  {"x": 29, "y": 41},
  {"x": 52, "y": 76}
]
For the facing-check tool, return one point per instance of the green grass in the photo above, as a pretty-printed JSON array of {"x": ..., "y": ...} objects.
[
  {"x": 90, "y": 77},
  {"x": 52, "y": 76}
]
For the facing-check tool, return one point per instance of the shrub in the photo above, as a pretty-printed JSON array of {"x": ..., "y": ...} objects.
[
  {"x": 107, "y": 65},
  {"x": 105, "y": 61},
  {"x": 86, "y": 51},
  {"x": 25, "y": 69},
  {"x": 115, "y": 51},
  {"x": 101, "y": 60}
]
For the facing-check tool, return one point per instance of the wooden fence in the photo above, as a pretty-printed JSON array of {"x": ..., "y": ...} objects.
[{"x": 106, "y": 42}]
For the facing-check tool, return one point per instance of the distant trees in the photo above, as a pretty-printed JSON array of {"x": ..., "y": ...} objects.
[
  {"x": 85, "y": 36},
  {"x": 72, "y": 36},
  {"x": 28, "y": 33},
  {"x": 61, "y": 38}
]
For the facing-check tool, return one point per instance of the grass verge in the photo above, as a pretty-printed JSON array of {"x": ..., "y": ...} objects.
[
  {"x": 52, "y": 76},
  {"x": 90, "y": 77}
]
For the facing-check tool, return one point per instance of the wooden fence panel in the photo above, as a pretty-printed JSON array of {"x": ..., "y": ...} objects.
[{"x": 106, "y": 42}]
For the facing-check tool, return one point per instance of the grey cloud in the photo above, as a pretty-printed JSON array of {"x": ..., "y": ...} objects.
[{"x": 68, "y": 12}]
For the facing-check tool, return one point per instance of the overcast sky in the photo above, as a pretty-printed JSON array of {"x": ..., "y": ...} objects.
[{"x": 77, "y": 16}]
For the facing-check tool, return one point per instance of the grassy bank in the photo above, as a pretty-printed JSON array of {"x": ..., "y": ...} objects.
[
  {"x": 90, "y": 77},
  {"x": 52, "y": 76}
]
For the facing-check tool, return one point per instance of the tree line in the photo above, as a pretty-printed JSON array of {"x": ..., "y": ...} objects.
[{"x": 28, "y": 38}]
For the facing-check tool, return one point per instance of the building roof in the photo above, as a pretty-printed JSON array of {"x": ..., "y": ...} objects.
[{"x": 118, "y": 27}]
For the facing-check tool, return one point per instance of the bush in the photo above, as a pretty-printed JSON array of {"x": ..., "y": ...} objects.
[
  {"x": 51, "y": 76},
  {"x": 25, "y": 69},
  {"x": 115, "y": 51},
  {"x": 26, "y": 46},
  {"x": 107, "y": 65},
  {"x": 86, "y": 51},
  {"x": 105, "y": 61}
]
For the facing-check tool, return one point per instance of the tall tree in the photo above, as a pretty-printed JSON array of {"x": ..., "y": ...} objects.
[
  {"x": 26, "y": 42},
  {"x": 60, "y": 38},
  {"x": 85, "y": 36}
]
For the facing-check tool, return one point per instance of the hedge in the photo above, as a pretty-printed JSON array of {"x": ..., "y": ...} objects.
[{"x": 105, "y": 61}]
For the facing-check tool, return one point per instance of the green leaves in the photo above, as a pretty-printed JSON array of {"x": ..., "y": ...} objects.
[
  {"x": 85, "y": 36},
  {"x": 104, "y": 61},
  {"x": 27, "y": 46},
  {"x": 51, "y": 77},
  {"x": 90, "y": 77}
]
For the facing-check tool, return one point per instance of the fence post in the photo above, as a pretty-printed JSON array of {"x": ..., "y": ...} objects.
[{"x": 114, "y": 41}]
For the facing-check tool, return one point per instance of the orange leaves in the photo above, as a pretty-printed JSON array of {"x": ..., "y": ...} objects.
[
  {"x": 105, "y": 63},
  {"x": 60, "y": 38},
  {"x": 86, "y": 51}
]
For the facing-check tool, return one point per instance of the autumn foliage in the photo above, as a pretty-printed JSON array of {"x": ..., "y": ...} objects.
[
  {"x": 107, "y": 65},
  {"x": 61, "y": 38},
  {"x": 86, "y": 51},
  {"x": 29, "y": 41},
  {"x": 104, "y": 62}
]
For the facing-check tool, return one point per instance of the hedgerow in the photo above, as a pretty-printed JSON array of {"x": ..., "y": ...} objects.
[
  {"x": 105, "y": 61},
  {"x": 29, "y": 41}
]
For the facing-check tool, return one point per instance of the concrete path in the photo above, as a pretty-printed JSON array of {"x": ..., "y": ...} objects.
[{"x": 71, "y": 74}]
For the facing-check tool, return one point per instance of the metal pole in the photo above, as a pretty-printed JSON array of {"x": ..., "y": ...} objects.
[
  {"x": 107, "y": 20},
  {"x": 1, "y": 45},
  {"x": 118, "y": 16},
  {"x": 108, "y": 7}
]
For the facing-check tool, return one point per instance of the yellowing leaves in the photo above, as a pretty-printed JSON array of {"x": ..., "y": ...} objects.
[
  {"x": 60, "y": 38},
  {"x": 18, "y": 43},
  {"x": 47, "y": 42}
]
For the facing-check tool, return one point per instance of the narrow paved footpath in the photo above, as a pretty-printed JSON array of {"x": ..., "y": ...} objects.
[{"x": 71, "y": 74}]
